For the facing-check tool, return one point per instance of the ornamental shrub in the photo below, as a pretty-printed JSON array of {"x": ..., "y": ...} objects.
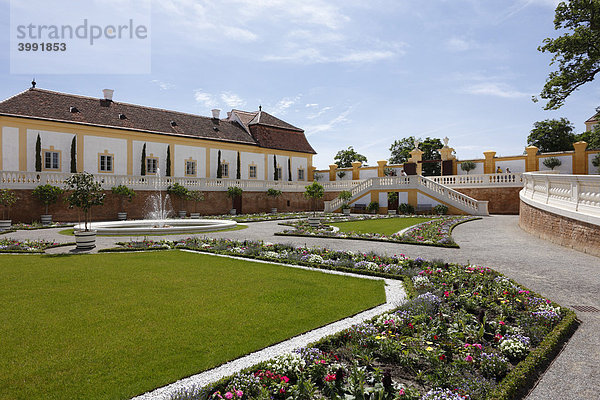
[
  {"x": 406, "y": 208},
  {"x": 552, "y": 162},
  {"x": 440, "y": 209},
  {"x": 47, "y": 194}
]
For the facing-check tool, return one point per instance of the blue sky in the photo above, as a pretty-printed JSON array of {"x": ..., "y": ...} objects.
[{"x": 350, "y": 73}]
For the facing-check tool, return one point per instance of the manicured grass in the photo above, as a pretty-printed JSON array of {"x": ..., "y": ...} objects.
[
  {"x": 111, "y": 326},
  {"x": 385, "y": 226}
]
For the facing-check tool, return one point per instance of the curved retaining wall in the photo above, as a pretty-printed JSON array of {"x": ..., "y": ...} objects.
[{"x": 560, "y": 229}]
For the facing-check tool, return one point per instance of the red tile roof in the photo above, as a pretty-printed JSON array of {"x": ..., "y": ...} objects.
[{"x": 55, "y": 106}]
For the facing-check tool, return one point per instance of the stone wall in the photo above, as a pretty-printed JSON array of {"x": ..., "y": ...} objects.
[
  {"x": 501, "y": 200},
  {"x": 29, "y": 209},
  {"x": 565, "y": 231}
]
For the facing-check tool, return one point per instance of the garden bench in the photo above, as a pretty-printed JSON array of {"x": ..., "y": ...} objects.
[
  {"x": 358, "y": 207},
  {"x": 424, "y": 207}
]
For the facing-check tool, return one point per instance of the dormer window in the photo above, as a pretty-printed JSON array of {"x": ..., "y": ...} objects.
[
  {"x": 73, "y": 109},
  {"x": 173, "y": 123},
  {"x": 122, "y": 116}
]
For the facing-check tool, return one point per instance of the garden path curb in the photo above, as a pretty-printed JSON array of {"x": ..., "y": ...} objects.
[{"x": 394, "y": 293}]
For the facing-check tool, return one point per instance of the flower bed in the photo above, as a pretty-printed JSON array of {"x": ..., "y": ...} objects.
[
  {"x": 436, "y": 232},
  {"x": 35, "y": 226},
  {"x": 467, "y": 332},
  {"x": 9, "y": 245},
  {"x": 259, "y": 217}
]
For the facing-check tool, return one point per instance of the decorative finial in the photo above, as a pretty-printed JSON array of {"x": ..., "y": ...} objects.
[
  {"x": 446, "y": 140},
  {"x": 33, "y": 83},
  {"x": 259, "y": 108},
  {"x": 417, "y": 142}
]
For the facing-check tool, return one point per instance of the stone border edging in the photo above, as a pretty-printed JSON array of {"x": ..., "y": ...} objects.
[{"x": 394, "y": 294}]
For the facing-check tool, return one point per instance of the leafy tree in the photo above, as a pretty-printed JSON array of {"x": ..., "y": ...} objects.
[
  {"x": 73, "y": 155},
  {"x": 47, "y": 194},
  {"x": 400, "y": 153},
  {"x": 552, "y": 135},
  {"x": 238, "y": 172},
  {"x": 577, "y": 52},
  {"x": 124, "y": 193},
  {"x": 314, "y": 191},
  {"x": 591, "y": 137},
  {"x": 400, "y": 150},
  {"x": 344, "y": 158},
  {"x": 467, "y": 166},
  {"x": 85, "y": 193},
  {"x": 38, "y": 153},
  {"x": 596, "y": 162},
  {"x": 552, "y": 162},
  {"x": 289, "y": 169},
  {"x": 275, "y": 174}
]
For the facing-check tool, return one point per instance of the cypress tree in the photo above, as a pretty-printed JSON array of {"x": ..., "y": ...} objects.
[
  {"x": 143, "y": 169},
  {"x": 38, "y": 154},
  {"x": 168, "y": 169},
  {"x": 73, "y": 155},
  {"x": 275, "y": 176},
  {"x": 219, "y": 166},
  {"x": 238, "y": 173},
  {"x": 289, "y": 169}
]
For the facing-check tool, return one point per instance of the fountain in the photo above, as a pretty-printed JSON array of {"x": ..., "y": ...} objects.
[{"x": 157, "y": 220}]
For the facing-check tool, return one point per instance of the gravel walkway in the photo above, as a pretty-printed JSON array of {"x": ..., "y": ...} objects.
[{"x": 566, "y": 276}]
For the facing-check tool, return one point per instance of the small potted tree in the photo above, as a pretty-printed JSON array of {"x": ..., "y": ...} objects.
[
  {"x": 467, "y": 166},
  {"x": 392, "y": 203},
  {"x": 552, "y": 162},
  {"x": 274, "y": 194},
  {"x": 84, "y": 194},
  {"x": 345, "y": 195},
  {"x": 7, "y": 199},
  {"x": 373, "y": 207},
  {"x": 196, "y": 196},
  {"x": 181, "y": 192},
  {"x": 314, "y": 192},
  {"x": 233, "y": 192},
  {"x": 124, "y": 193},
  {"x": 47, "y": 194}
]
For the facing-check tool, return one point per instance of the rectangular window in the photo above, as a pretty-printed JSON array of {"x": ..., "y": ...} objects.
[
  {"x": 106, "y": 163},
  {"x": 51, "y": 160},
  {"x": 151, "y": 165},
  {"x": 190, "y": 168},
  {"x": 252, "y": 171},
  {"x": 225, "y": 170},
  {"x": 300, "y": 174}
]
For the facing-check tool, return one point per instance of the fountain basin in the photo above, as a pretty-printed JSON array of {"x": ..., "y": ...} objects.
[{"x": 158, "y": 226}]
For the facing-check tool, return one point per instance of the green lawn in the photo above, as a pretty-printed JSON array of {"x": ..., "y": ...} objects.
[
  {"x": 111, "y": 326},
  {"x": 385, "y": 226}
]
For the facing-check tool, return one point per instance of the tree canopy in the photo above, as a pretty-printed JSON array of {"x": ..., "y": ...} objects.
[
  {"x": 552, "y": 135},
  {"x": 400, "y": 153},
  {"x": 591, "y": 137},
  {"x": 344, "y": 158},
  {"x": 576, "y": 53}
]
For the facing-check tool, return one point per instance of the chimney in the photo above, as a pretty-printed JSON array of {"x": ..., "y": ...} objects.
[
  {"x": 108, "y": 94},
  {"x": 215, "y": 113}
]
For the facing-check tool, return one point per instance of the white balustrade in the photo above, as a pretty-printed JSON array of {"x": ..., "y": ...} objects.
[
  {"x": 480, "y": 180},
  {"x": 574, "y": 196}
]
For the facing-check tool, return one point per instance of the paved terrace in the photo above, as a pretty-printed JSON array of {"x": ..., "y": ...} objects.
[{"x": 566, "y": 276}]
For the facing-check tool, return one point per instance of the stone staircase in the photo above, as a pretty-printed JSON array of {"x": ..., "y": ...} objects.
[{"x": 425, "y": 185}]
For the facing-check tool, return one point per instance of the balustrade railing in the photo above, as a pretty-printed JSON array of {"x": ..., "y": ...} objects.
[
  {"x": 573, "y": 193},
  {"x": 480, "y": 180}
]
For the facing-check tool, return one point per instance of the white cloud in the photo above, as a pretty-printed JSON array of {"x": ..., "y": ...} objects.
[
  {"x": 341, "y": 118},
  {"x": 206, "y": 99},
  {"x": 457, "y": 44},
  {"x": 495, "y": 89},
  {"x": 318, "y": 114},
  {"x": 163, "y": 85},
  {"x": 282, "y": 105},
  {"x": 312, "y": 105},
  {"x": 315, "y": 56},
  {"x": 232, "y": 100}
]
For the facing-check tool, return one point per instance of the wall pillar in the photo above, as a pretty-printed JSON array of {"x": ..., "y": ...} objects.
[
  {"x": 416, "y": 155},
  {"x": 356, "y": 170},
  {"x": 311, "y": 173},
  {"x": 531, "y": 161},
  {"x": 332, "y": 171},
  {"x": 381, "y": 168},
  {"x": 580, "y": 161},
  {"x": 489, "y": 164}
]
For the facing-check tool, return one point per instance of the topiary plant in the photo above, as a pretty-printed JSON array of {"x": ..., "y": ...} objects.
[
  {"x": 47, "y": 194},
  {"x": 180, "y": 191},
  {"x": 552, "y": 162},
  {"x": 467, "y": 166},
  {"x": 314, "y": 191},
  {"x": 85, "y": 193},
  {"x": 7, "y": 199},
  {"x": 440, "y": 209},
  {"x": 405, "y": 208},
  {"x": 373, "y": 207},
  {"x": 124, "y": 193},
  {"x": 345, "y": 195}
]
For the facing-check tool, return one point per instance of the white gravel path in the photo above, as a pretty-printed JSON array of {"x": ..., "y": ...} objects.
[{"x": 395, "y": 295}]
